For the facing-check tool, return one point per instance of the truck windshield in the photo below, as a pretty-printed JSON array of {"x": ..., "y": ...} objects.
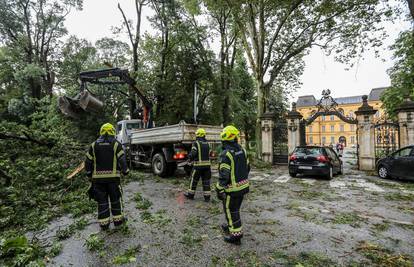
[{"x": 132, "y": 126}]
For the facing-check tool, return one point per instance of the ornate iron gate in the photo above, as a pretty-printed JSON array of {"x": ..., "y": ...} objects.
[
  {"x": 280, "y": 143},
  {"x": 387, "y": 138}
]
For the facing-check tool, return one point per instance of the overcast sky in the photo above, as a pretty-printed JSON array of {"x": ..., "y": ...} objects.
[{"x": 321, "y": 72}]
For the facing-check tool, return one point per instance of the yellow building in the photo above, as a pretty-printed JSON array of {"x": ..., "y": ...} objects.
[{"x": 326, "y": 130}]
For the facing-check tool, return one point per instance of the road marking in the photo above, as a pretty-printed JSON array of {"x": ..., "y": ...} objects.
[
  {"x": 362, "y": 183},
  {"x": 282, "y": 179}
]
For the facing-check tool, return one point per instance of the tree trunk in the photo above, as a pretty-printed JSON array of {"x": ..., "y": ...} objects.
[{"x": 261, "y": 104}]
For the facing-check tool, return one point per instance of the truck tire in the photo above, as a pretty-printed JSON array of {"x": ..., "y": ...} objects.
[
  {"x": 171, "y": 168},
  {"x": 159, "y": 165}
]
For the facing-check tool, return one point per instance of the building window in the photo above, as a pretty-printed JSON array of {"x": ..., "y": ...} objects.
[
  {"x": 342, "y": 128},
  {"x": 352, "y": 139},
  {"x": 310, "y": 129},
  {"x": 352, "y": 127},
  {"x": 323, "y": 128},
  {"x": 323, "y": 118},
  {"x": 323, "y": 140},
  {"x": 377, "y": 114},
  {"x": 332, "y": 139},
  {"x": 310, "y": 140},
  {"x": 332, "y": 128},
  {"x": 332, "y": 117}
]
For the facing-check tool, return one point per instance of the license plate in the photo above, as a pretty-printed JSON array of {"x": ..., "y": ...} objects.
[{"x": 305, "y": 167}]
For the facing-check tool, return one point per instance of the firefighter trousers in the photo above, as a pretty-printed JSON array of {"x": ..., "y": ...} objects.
[
  {"x": 205, "y": 175},
  {"x": 109, "y": 198},
  {"x": 231, "y": 207}
]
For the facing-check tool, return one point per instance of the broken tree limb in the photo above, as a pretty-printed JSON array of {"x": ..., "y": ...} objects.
[
  {"x": 76, "y": 171},
  {"x": 26, "y": 138}
]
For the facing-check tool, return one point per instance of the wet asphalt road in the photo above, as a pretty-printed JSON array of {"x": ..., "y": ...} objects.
[{"x": 284, "y": 220}]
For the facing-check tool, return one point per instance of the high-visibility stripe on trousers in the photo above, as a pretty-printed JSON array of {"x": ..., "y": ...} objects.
[
  {"x": 231, "y": 206},
  {"x": 205, "y": 175},
  {"x": 109, "y": 198}
]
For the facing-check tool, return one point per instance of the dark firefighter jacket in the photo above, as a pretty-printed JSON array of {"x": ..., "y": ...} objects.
[
  {"x": 234, "y": 169},
  {"x": 200, "y": 153},
  {"x": 105, "y": 160}
]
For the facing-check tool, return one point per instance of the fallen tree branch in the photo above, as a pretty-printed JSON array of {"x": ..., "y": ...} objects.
[{"x": 26, "y": 138}]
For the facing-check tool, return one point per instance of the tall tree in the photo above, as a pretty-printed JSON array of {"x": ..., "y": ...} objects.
[
  {"x": 134, "y": 32},
  {"x": 223, "y": 23},
  {"x": 32, "y": 29},
  {"x": 276, "y": 33},
  {"x": 401, "y": 74}
]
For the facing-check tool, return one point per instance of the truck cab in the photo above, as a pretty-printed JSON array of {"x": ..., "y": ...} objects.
[{"x": 125, "y": 128}]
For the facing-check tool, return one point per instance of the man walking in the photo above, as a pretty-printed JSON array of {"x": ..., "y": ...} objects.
[
  {"x": 105, "y": 161},
  {"x": 233, "y": 183},
  {"x": 200, "y": 155}
]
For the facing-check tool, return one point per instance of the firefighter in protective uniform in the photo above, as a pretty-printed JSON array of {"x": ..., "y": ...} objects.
[
  {"x": 233, "y": 183},
  {"x": 105, "y": 161},
  {"x": 200, "y": 155}
]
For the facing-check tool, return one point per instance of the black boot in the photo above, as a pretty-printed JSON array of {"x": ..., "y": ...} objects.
[
  {"x": 225, "y": 228},
  {"x": 233, "y": 239},
  {"x": 189, "y": 195},
  {"x": 207, "y": 198},
  {"x": 118, "y": 223}
]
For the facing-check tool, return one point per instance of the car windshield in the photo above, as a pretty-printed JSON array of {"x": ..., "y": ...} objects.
[
  {"x": 132, "y": 126},
  {"x": 308, "y": 151}
]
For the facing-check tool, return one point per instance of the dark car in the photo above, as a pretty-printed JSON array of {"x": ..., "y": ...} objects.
[
  {"x": 315, "y": 160},
  {"x": 399, "y": 164}
]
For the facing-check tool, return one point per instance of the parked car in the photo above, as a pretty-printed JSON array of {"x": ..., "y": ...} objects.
[
  {"x": 399, "y": 164},
  {"x": 315, "y": 160}
]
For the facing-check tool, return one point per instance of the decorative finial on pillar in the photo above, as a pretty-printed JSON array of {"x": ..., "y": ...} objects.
[{"x": 365, "y": 108}]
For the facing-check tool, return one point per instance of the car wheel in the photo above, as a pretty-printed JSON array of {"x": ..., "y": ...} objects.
[
  {"x": 330, "y": 174},
  {"x": 159, "y": 165},
  {"x": 383, "y": 172},
  {"x": 292, "y": 174}
]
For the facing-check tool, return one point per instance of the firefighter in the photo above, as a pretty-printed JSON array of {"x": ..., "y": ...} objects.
[
  {"x": 105, "y": 161},
  {"x": 200, "y": 155},
  {"x": 233, "y": 183}
]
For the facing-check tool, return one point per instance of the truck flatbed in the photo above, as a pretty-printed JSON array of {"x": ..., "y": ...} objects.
[{"x": 178, "y": 133}]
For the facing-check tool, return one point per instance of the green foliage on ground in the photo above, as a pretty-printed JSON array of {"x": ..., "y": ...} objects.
[{"x": 17, "y": 251}]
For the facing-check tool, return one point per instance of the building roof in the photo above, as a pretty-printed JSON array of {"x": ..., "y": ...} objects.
[
  {"x": 376, "y": 93},
  {"x": 306, "y": 100},
  {"x": 310, "y": 100}
]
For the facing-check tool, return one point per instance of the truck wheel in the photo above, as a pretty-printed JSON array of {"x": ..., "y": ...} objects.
[
  {"x": 159, "y": 165},
  {"x": 171, "y": 168}
]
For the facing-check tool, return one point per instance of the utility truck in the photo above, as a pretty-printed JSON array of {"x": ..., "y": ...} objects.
[
  {"x": 163, "y": 148},
  {"x": 160, "y": 148}
]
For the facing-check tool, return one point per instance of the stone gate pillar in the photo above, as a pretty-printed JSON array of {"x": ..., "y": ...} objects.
[
  {"x": 293, "y": 124},
  {"x": 268, "y": 124},
  {"x": 366, "y": 135},
  {"x": 406, "y": 122}
]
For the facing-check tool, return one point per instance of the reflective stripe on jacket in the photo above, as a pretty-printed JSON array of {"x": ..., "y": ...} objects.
[
  {"x": 234, "y": 169},
  {"x": 106, "y": 159},
  {"x": 200, "y": 153}
]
